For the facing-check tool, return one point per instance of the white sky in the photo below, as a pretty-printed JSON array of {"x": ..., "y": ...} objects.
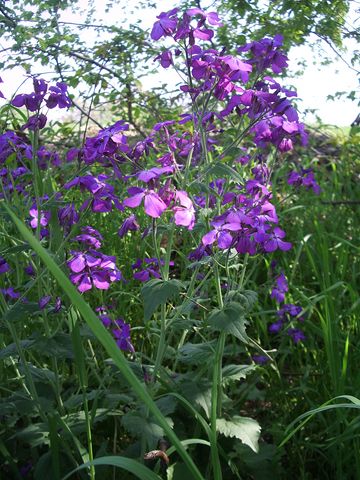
[{"x": 313, "y": 86}]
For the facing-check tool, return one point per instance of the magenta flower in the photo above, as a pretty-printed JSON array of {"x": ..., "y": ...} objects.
[
  {"x": 93, "y": 269},
  {"x": 166, "y": 24},
  {"x": 211, "y": 17},
  {"x": 184, "y": 212},
  {"x": 154, "y": 206},
  {"x": 44, "y": 217}
]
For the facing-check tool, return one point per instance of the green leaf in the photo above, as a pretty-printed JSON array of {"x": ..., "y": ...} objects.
[
  {"x": 245, "y": 429},
  {"x": 11, "y": 350},
  {"x": 58, "y": 346},
  {"x": 20, "y": 312},
  {"x": 136, "y": 468},
  {"x": 231, "y": 373},
  {"x": 140, "y": 426},
  {"x": 246, "y": 298},
  {"x": 230, "y": 320},
  {"x": 157, "y": 292},
  {"x": 197, "y": 353},
  {"x": 198, "y": 393}
]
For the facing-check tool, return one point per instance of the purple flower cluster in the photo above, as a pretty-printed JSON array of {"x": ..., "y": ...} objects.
[
  {"x": 249, "y": 224},
  {"x": 57, "y": 96},
  {"x": 304, "y": 178},
  {"x": 147, "y": 268},
  {"x": 224, "y": 77},
  {"x": 93, "y": 269},
  {"x": 287, "y": 312}
]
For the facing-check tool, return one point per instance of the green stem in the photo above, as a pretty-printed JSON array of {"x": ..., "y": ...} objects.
[
  {"x": 162, "y": 340},
  {"x": 216, "y": 389}
]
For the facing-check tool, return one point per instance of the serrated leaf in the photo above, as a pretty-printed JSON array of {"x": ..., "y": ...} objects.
[
  {"x": 230, "y": 320},
  {"x": 157, "y": 292},
  {"x": 231, "y": 373},
  {"x": 245, "y": 429},
  {"x": 197, "y": 353},
  {"x": 246, "y": 298},
  {"x": 198, "y": 393}
]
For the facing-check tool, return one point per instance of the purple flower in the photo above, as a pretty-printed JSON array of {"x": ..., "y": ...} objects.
[
  {"x": 129, "y": 224},
  {"x": 155, "y": 172},
  {"x": 154, "y": 206},
  {"x": 44, "y": 217},
  {"x": 109, "y": 141},
  {"x": 93, "y": 269},
  {"x": 10, "y": 293},
  {"x": 260, "y": 359},
  {"x": 33, "y": 100},
  {"x": 68, "y": 216},
  {"x": 1, "y": 94},
  {"x": 166, "y": 24},
  {"x": 44, "y": 301},
  {"x": 296, "y": 334},
  {"x": 90, "y": 237},
  {"x": 165, "y": 58},
  {"x": 57, "y": 306},
  {"x": 58, "y": 96},
  {"x": 274, "y": 241},
  {"x": 266, "y": 53},
  {"x": 35, "y": 122},
  {"x": 147, "y": 268},
  {"x": 106, "y": 320},
  {"x": 4, "y": 266},
  {"x": 184, "y": 212},
  {"x": 305, "y": 178},
  {"x": 29, "y": 270},
  {"x": 276, "y": 326},
  {"x": 278, "y": 292},
  {"x": 121, "y": 334},
  {"x": 211, "y": 17}
]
